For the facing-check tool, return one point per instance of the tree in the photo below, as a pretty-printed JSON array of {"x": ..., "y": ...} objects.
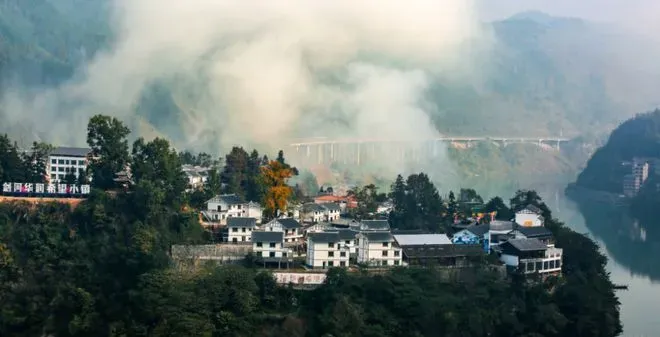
[
  {"x": 418, "y": 206},
  {"x": 155, "y": 161},
  {"x": 70, "y": 177},
  {"x": 524, "y": 198},
  {"x": 12, "y": 166},
  {"x": 367, "y": 199},
  {"x": 82, "y": 177},
  {"x": 275, "y": 177},
  {"x": 36, "y": 162},
  {"x": 106, "y": 136},
  {"x": 254, "y": 186},
  {"x": 498, "y": 206},
  {"x": 235, "y": 173}
]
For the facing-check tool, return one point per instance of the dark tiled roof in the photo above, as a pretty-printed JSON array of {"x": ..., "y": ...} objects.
[
  {"x": 259, "y": 236},
  {"x": 71, "y": 151},
  {"x": 478, "y": 230},
  {"x": 526, "y": 245},
  {"x": 331, "y": 206},
  {"x": 376, "y": 225},
  {"x": 347, "y": 234},
  {"x": 320, "y": 237},
  {"x": 378, "y": 236},
  {"x": 289, "y": 223},
  {"x": 241, "y": 222},
  {"x": 533, "y": 209},
  {"x": 534, "y": 232},
  {"x": 499, "y": 225},
  {"x": 229, "y": 199},
  {"x": 313, "y": 207}
]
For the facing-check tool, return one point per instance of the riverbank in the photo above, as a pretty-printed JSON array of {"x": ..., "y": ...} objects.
[{"x": 582, "y": 194}]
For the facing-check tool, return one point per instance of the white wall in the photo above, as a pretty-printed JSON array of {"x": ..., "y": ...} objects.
[
  {"x": 528, "y": 220},
  {"x": 317, "y": 253},
  {"x": 509, "y": 260},
  {"x": 372, "y": 253},
  {"x": 243, "y": 234},
  {"x": 59, "y": 170}
]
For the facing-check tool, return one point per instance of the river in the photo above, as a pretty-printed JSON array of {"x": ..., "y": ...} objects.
[{"x": 633, "y": 252}]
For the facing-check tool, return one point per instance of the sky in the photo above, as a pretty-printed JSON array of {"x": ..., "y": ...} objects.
[{"x": 638, "y": 14}]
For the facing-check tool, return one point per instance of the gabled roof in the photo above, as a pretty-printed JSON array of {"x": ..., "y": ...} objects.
[
  {"x": 539, "y": 232},
  {"x": 289, "y": 223},
  {"x": 375, "y": 225},
  {"x": 71, "y": 151},
  {"x": 331, "y": 206},
  {"x": 498, "y": 225},
  {"x": 378, "y": 236},
  {"x": 525, "y": 245},
  {"x": 532, "y": 209},
  {"x": 422, "y": 239},
  {"x": 347, "y": 234},
  {"x": 241, "y": 222},
  {"x": 478, "y": 230},
  {"x": 229, "y": 199},
  {"x": 313, "y": 207},
  {"x": 261, "y": 236},
  {"x": 323, "y": 237}
]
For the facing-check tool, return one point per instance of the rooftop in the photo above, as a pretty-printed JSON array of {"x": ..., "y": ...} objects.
[
  {"x": 526, "y": 245},
  {"x": 289, "y": 223},
  {"x": 531, "y": 209},
  {"x": 375, "y": 225},
  {"x": 241, "y": 222},
  {"x": 229, "y": 199},
  {"x": 422, "y": 239},
  {"x": 534, "y": 232},
  {"x": 323, "y": 237},
  {"x": 378, "y": 236},
  {"x": 498, "y": 225},
  {"x": 71, "y": 151},
  {"x": 331, "y": 206},
  {"x": 346, "y": 234},
  {"x": 478, "y": 230},
  {"x": 261, "y": 236},
  {"x": 313, "y": 207}
]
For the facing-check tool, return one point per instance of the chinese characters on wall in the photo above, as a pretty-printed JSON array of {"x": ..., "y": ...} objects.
[
  {"x": 44, "y": 189},
  {"x": 299, "y": 278}
]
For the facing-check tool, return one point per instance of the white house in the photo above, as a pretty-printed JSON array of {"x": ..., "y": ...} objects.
[
  {"x": 378, "y": 249},
  {"x": 530, "y": 216},
  {"x": 240, "y": 229},
  {"x": 313, "y": 213},
  {"x": 222, "y": 207},
  {"x": 325, "y": 250},
  {"x": 497, "y": 233},
  {"x": 531, "y": 256},
  {"x": 332, "y": 211},
  {"x": 268, "y": 246},
  {"x": 290, "y": 227},
  {"x": 63, "y": 160}
]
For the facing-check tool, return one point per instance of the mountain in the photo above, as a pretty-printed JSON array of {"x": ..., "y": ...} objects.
[{"x": 638, "y": 137}]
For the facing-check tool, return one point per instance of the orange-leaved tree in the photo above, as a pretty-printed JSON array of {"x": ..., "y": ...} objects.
[{"x": 275, "y": 176}]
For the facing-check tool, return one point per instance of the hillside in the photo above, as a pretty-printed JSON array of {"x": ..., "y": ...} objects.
[{"x": 636, "y": 137}]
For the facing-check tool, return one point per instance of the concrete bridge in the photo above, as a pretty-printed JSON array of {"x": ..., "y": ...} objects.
[{"x": 358, "y": 151}]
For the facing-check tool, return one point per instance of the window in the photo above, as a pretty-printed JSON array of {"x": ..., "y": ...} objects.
[
  {"x": 539, "y": 265},
  {"x": 272, "y": 245},
  {"x": 331, "y": 245},
  {"x": 342, "y": 254},
  {"x": 81, "y": 163},
  {"x": 331, "y": 263},
  {"x": 243, "y": 229},
  {"x": 545, "y": 264},
  {"x": 53, "y": 176},
  {"x": 61, "y": 161},
  {"x": 66, "y": 162},
  {"x": 348, "y": 242},
  {"x": 558, "y": 264},
  {"x": 60, "y": 169},
  {"x": 396, "y": 253},
  {"x": 239, "y": 206},
  {"x": 271, "y": 254},
  {"x": 342, "y": 263},
  {"x": 384, "y": 253},
  {"x": 259, "y": 254},
  {"x": 53, "y": 161},
  {"x": 259, "y": 244},
  {"x": 53, "y": 169},
  {"x": 385, "y": 244},
  {"x": 384, "y": 262},
  {"x": 396, "y": 262},
  {"x": 331, "y": 254},
  {"x": 242, "y": 238},
  {"x": 284, "y": 254},
  {"x": 530, "y": 266},
  {"x": 234, "y": 230}
]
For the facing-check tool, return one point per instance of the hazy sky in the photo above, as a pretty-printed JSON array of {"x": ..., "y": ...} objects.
[{"x": 636, "y": 13}]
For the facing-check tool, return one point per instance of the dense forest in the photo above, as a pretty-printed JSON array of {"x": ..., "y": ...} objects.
[{"x": 102, "y": 269}]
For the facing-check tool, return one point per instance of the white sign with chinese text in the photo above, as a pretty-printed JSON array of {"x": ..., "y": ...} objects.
[
  {"x": 40, "y": 188},
  {"x": 299, "y": 278}
]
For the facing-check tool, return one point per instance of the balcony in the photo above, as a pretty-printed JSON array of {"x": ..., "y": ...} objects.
[{"x": 541, "y": 266}]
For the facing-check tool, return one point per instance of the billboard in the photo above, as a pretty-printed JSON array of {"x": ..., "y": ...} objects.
[
  {"x": 49, "y": 190},
  {"x": 299, "y": 278}
]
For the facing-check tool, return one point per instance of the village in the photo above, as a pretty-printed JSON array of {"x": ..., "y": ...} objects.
[{"x": 300, "y": 245}]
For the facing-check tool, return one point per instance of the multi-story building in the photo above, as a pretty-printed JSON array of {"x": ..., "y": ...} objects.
[
  {"x": 633, "y": 182},
  {"x": 268, "y": 246},
  {"x": 290, "y": 227},
  {"x": 531, "y": 256},
  {"x": 325, "y": 250},
  {"x": 225, "y": 206},
  {"x": 349, "y": 239},
  {"x": 66, "y": 160},
  {"x": 436, "y": 250},
  {"x": 240, "y": 229},
  {"x": 314, "y": 213},
  {"x": 378, "y": 249}
]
